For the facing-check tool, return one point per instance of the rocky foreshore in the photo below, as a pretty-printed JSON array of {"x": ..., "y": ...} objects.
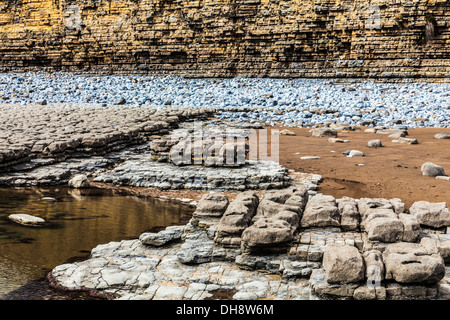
[
  {"x": 276, "y": 238},
  {"x": 284, "y": 245},
  {"x": 35, "y": 135},
  {"x": 47, "y": 145}
]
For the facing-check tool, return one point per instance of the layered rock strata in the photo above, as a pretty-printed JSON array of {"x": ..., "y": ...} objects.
[
  {"x": 320, "y": 38},
  {"x": 33, "y": 135},
  {"x": 224, "y": 255}
]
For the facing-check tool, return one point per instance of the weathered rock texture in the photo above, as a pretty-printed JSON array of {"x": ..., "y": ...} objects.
[
  {"x": 277, "y": 218},
  {"x": 258, "y": 249},
  {"x": 320, "y": 38},
  {"x": 64, "y": 130}
]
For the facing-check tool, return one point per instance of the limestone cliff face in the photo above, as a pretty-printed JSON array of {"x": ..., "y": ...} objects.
[{"x": 224, "y": 38}]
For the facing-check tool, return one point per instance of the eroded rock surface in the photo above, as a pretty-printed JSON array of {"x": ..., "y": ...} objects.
[
  {"x": 252, "y": 235},
  {"x": 414, "y": 263},
  {"x": 343, "y": 264},
  {"x": 321, "y": 211},
  {"x": 430, "y": 214}
]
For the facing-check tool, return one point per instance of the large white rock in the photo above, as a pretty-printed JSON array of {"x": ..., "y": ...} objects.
[{"x": 26, "y": 219}]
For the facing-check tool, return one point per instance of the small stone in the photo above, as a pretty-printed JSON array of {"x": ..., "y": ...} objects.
[
  {"x": 374, "y": 144},
  {"x": 322, "y": 132},
  {"x": 406, "y": 141},
  {"x": 49, "y": 199},
  {"x": 26, "y": 219},
  {"x": 79, "y": 181},
  {"x": 121, "y": 101},
  {"x": 442, "y": 136},
  {"x": 355, "y": 153},
  {"x": 287, "y": 132},
  {"x": 432, "y": 170},
  {"x": 336, "y": 140},
  {"x": 445, "y": 178}
]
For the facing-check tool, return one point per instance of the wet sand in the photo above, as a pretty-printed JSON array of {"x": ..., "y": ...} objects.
[{"x": 392, "y": 171}]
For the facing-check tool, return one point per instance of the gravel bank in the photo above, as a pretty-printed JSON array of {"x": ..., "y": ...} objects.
[{"x": 306, "y": 102}]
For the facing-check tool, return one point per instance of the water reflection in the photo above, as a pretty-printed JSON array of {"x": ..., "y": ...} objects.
[{"x": 77, "y": 221}]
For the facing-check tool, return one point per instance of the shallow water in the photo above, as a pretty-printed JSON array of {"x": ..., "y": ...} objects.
[{"x": 77, "y": 221}]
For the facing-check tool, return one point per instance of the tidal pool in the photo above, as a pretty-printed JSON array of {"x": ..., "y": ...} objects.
[{"x": 77, "y": 221}]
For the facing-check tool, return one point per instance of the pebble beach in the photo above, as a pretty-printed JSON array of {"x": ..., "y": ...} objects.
[{"x": 296, "y": 102}]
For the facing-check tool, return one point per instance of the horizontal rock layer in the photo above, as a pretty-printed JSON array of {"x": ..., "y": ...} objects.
[
  {"x": 320, "y": 38},
  {"x": 65, "y": 130}
]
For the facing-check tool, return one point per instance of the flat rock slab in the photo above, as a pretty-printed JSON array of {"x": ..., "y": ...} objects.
[
  {"x": 324, "y": 132},
  {"x": 142, "y": 171},
  {"x": 162, "y": 238},
  {"x": 402, "y": 140},
  {"x": 287, "y": 132},
  {"x": 54, "y": 174},
  {"x": 62, "y": 130},
  {"x": 131, "y": 270},
  {"x": 26, "y": 219}
]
